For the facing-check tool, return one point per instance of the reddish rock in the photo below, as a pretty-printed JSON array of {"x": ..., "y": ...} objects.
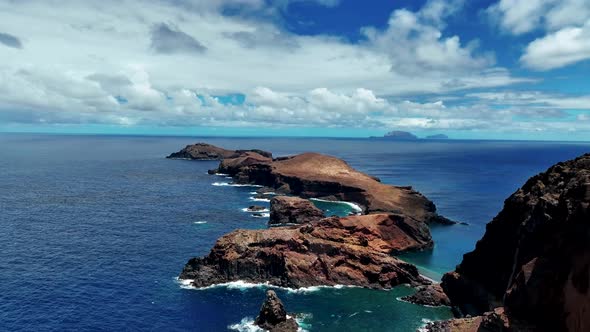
[
  {"x": 286, "y": 210},
  {"x": 333, "y": 251},
  {"x": 204, "y": 151},
  {"x": 431, "y": 295},
  {"x": 534, "y": 258},
  {"x": 273, "y": 316}
]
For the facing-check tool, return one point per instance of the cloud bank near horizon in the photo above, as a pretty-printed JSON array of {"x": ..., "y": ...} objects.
[{"x": 190, "y": 63}]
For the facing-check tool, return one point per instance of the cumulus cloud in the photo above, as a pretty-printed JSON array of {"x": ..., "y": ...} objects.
[
  {"x": 10, "y": 40},
  {"x": 167, "y": 40},
  {"x": 558, "y": 49},
  {"x": 518, "y": 17},
  {"x": 565, "y": 22},
  {"x": 414, "y": 41}
]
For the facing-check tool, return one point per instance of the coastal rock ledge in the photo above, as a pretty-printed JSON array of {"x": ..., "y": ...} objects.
[
  {"x": 531, "y": 269},
  {"x": 355, "y": 251}
]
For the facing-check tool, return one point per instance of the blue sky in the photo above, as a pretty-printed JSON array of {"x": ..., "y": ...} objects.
[{"x": 497, "y": 69}]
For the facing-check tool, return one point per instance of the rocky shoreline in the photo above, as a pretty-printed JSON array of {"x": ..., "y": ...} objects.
[{"x": 529, "y": 272}]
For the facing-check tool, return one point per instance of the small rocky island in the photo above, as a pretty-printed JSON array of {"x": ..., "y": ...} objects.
[
  {"x": 398, "y": 135},
  {"x": 204, "y": 151}
]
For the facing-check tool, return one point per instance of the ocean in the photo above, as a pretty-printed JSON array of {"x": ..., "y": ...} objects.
[{"x": 95, "y": 229}]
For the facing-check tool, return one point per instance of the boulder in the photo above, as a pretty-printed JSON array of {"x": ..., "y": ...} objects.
[
  {"x": 286, "y": 210},
  {"x": 431, "y": 295}
]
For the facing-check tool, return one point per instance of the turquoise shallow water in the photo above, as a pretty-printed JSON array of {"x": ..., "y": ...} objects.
[{"x": 96, "y": 228}]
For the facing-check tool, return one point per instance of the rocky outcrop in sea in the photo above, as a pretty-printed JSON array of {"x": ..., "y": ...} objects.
[
  {"x": 204, "y": 151},
  {"x": 273, "y": 316}
]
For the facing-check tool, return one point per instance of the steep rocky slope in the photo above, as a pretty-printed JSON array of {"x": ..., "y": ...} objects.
[{"x": 534, "y": 259}]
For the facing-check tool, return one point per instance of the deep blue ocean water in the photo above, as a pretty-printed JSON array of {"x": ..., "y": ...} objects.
[{"x": 94, "y": 229}]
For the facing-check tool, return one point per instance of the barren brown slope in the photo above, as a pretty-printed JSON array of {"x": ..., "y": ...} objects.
[{"x": 314, "y": 175}]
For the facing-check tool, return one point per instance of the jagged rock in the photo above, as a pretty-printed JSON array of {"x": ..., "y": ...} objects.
[
  {"x": 273, "y": 316},
  {"x": 204, "y": 151},
  {"x": 292, "y": 210},
  {"x": 256, "y": 208},
  {"x": 534, "y": 258},
  {"x": 312, "y": 175},
  {"x": 333, "y": 251},
  {"x": 431, "y": 295}
]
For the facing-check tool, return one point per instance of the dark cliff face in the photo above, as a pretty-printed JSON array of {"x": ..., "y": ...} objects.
[{"x": 534, "y": 258}]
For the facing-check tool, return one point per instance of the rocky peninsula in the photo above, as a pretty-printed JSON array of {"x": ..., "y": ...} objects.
[
  {"x": 531, "y": 269},
  {"x": 313, "y": 175}
]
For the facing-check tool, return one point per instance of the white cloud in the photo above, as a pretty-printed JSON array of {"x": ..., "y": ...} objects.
[
  {"x": 518, "y": 17},
  {"x": 415, "y": 44},
  {"x": 566, "y": 23},
  {"x": 558, "y": 49}
]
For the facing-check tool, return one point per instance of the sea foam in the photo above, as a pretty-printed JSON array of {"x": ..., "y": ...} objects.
[
  {"x": 259, "y": 211},
  {"x": 255, "y": 199},
  {"x": 245, "y": 285},
  {"x": 247, "y": 325},
  {"x": 228, "y": 184},
  {"x": 354, "y": 206}
]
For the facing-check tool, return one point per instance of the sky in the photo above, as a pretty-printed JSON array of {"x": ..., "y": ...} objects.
[{"x": 493, "y": 69}]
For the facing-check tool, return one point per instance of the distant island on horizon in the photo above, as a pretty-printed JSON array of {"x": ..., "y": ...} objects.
[{"x": 398, "y": 135}]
